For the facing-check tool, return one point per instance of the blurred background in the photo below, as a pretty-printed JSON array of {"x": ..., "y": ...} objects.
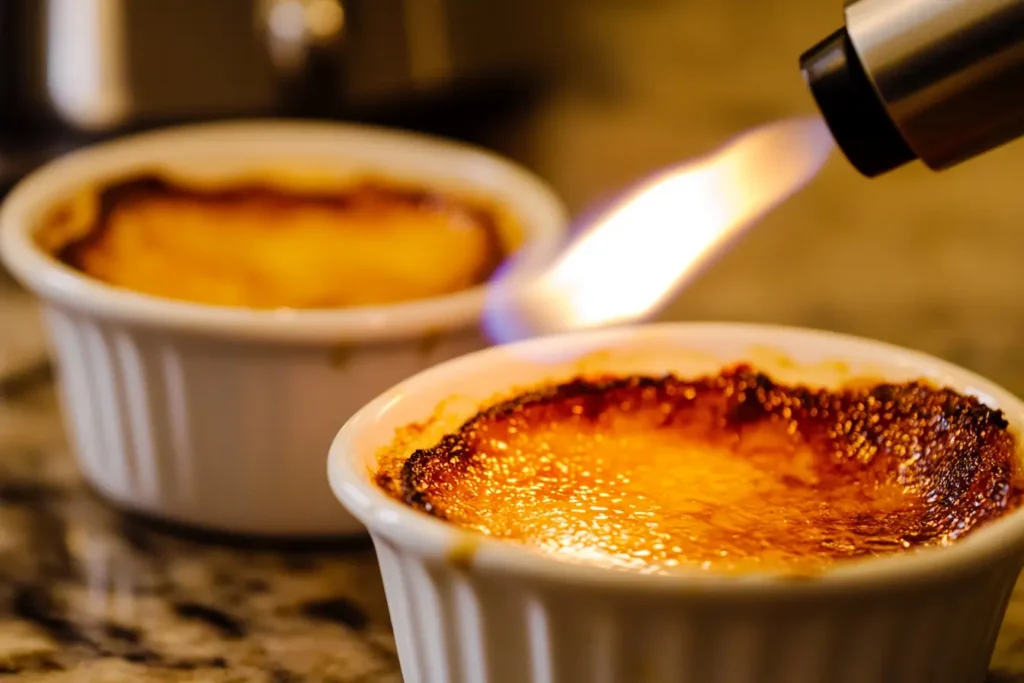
[{"x": 590, "y": 94}]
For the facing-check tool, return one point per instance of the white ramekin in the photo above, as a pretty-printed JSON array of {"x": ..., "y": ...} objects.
[
  {"x": 468, "y": 609},
  {"x": 220, "y": 417}
]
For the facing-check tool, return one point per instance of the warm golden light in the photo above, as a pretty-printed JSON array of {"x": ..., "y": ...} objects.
[
  {"x": 732, "y": 472},
  {"x": 633, "y": 258}
]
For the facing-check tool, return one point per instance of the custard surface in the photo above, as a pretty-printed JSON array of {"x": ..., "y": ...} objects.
[
  {"x": 261, "y": 246},
  {"x": 731, "y": 473}
]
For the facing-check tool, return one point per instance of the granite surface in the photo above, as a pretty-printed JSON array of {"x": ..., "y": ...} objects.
[{"x": 927, "y": 260}]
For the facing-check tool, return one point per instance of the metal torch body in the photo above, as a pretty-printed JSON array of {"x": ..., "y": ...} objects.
[{"x": 936, "y": 80}]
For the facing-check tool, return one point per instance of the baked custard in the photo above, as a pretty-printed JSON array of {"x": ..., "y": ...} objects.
[
  {"x": 260, "y": 245},
  {"x": 732, "y": 472}
]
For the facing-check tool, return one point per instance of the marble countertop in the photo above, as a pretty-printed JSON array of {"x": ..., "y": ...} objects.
[
  {"x": 88, "y": 594},
  {"x": 921, "y": 259}
]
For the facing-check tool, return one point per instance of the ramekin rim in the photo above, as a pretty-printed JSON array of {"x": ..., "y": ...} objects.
[
  {"x": 55, "y": 282},
  {"x": 431, "y": 537}
]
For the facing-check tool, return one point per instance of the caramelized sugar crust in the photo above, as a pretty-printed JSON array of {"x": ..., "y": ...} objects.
[
  {"x": 731, "y": 472},
  {"x": 263, "y": 247}
]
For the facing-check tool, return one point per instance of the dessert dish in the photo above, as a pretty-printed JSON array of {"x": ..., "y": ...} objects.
[
  {"x": 731, "y": 472},
  {"x": 264, "y": 244},
  {"x": 209, "y": 340},
  {"x": 481, "y": 591}
]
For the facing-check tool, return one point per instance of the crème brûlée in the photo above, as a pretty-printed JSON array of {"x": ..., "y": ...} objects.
[
  {"x": 261, "y": 245},
  {"x": 731, "y": 472}
]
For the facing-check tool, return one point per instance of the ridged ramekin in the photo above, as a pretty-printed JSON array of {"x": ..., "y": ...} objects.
[
  {"x": 220, "y": 417},
  {"x": 468, "y": 609}
]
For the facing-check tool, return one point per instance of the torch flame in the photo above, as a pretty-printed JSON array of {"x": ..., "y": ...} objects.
[{"x": 633, "y": 258}]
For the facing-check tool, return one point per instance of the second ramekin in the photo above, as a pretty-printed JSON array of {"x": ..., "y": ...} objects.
[
  {"x": 469, "y": 609},
  {"x": 219, "y": 417}
]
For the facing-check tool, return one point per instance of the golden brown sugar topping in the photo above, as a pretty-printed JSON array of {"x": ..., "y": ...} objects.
[
  {"x": 731, "y": 472},
  {"x": 263, "y": 247}
]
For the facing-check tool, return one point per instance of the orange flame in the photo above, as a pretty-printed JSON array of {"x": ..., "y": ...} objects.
[{"x": 630, "y": 262}]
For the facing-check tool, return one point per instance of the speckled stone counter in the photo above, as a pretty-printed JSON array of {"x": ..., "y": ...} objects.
[
  {"x": 925, "y": 260},
  {"x": 89, "y": 595}
]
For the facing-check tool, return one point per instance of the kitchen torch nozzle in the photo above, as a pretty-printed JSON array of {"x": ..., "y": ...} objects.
[{"x": 936, "y": 80}]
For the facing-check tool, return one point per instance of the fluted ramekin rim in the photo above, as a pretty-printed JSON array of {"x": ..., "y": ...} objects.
[
  {"x": 421, "y": 534},
  {"x": 54, "y": 282}
]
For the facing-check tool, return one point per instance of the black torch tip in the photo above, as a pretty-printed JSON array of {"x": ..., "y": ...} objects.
[{"x": 852, "y": 109}]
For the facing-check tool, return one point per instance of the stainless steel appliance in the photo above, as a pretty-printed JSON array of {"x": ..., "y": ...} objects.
[
  {"x": 71, "y": 70},
  {"x": 936, "y": 80}
]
